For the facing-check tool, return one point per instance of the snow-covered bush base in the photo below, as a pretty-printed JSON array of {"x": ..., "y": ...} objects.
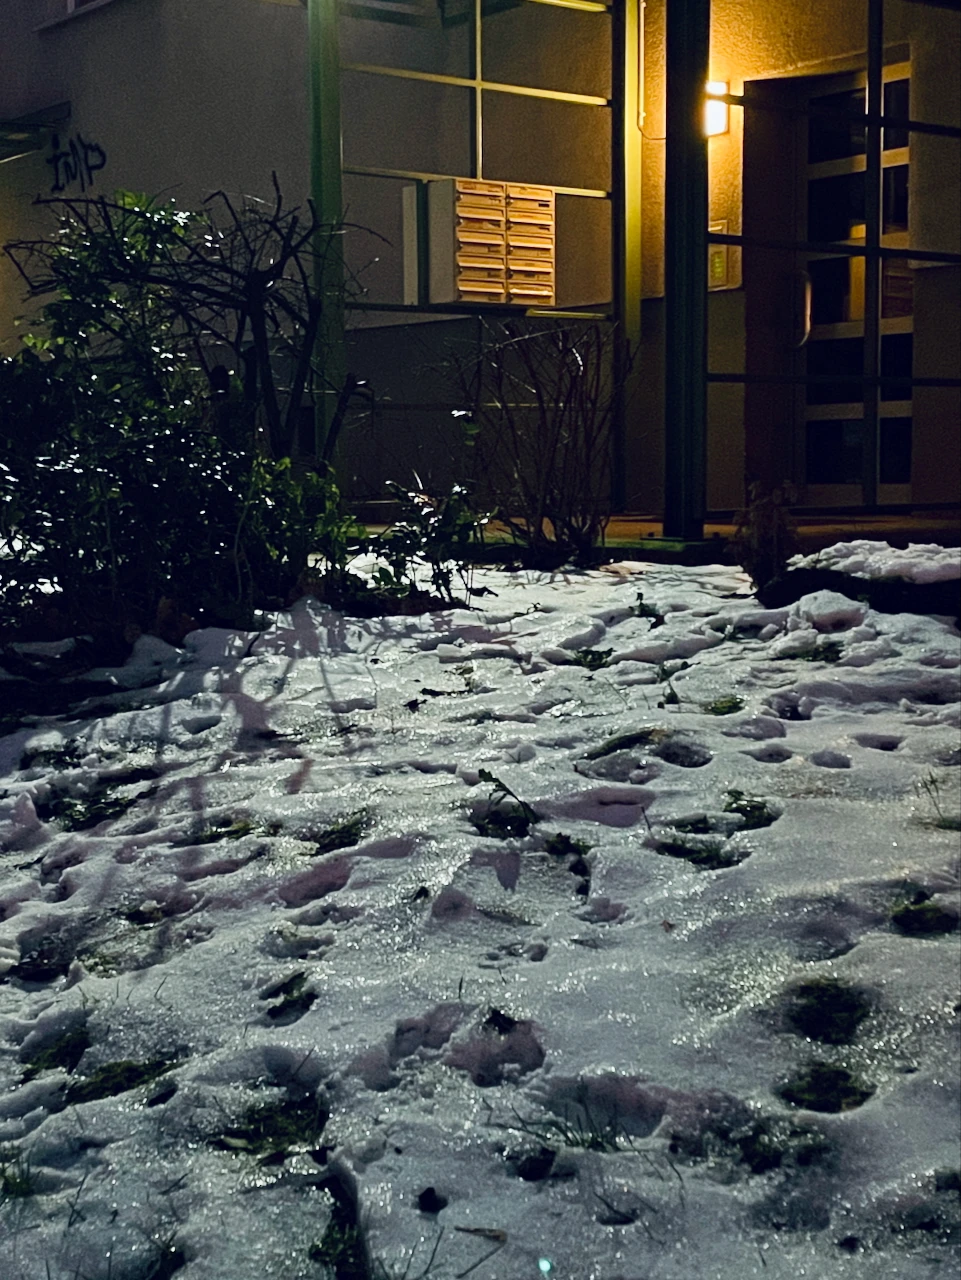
[
  {"x": 254, "y": 875},
  {"x": 919, "y": 562}
]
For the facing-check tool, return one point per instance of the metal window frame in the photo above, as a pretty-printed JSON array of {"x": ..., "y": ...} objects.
[
  {"x": 478, "y": 85},
  {"x": 624, "y": 193},
  {"x": 874, "y": 253}
]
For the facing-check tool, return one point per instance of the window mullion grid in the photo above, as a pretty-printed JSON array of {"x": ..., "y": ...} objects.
[
  {"x": 478, "y": 74},
  {"x": 874, "y": 108}
]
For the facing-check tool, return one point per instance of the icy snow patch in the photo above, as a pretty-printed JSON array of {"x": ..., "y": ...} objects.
[{"x": 920, "y": 562}]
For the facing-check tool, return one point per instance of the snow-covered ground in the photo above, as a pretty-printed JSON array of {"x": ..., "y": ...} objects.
[
  {"x": 919, "y": 562},
  {"x": 268, "y": 944}
]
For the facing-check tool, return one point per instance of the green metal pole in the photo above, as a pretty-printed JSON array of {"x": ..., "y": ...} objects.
[
  {"x": 627, "y": 234},
  {"x": 685, "y": 270},
  {"x": 326, "y": 193},
  {"x": 874, "y": 105}
]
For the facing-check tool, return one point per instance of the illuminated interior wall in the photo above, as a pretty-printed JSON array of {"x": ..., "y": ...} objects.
[{"x": 799, "y": 38}]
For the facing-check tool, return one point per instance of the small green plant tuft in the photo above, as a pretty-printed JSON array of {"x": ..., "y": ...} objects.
[
  {"x": 80, "y": 814},
  {"x": 52, "y": 759},
  {"x": 698, "y": 826},
  {"x": 771, "y": 1143},
  {"x": 626, "y": 742},
  {"x": 761, "y": 1143},
  {"x": 725, "y": 706},
  {"x": 343, "y": 1251},
  {"x": 503, "y": 820},
  {"x": 705, "y": 855},
  {"x": 590, "y": 659},
  {"x": 116, "y": 1077},
  {"x": 224, "y": 829},
  {"x": 930, "y": 787},
  {"x": 756, "y": 813},
  {"x": 560, "y": 845},
  {"x": 822, "y": 1087},
  {"x": 343, "y": 834},
  {"x": 587, "y": 1131},
  {"x": 823, "y": 651},
  {"x": 292, "y": 1001},
  {"x": 17, "y": 1180},
  {"x": 64, "y": 1053},
  {"x": 273, "y": 1130},
  {"x": 644, "y": 610}
]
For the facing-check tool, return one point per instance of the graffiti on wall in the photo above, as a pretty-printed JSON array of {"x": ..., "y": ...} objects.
[{"x": 75, "y": 163}]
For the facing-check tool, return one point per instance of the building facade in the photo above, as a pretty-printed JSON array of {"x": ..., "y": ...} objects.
[{"x": 832, "y": 355}]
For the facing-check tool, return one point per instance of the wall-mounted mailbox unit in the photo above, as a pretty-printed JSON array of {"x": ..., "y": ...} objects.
[{"x": 491, "y": 242}]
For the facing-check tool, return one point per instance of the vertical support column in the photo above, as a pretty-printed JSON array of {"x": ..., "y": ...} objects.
[
  {"x": 325, "y": 190},
  {"x": 685, "y": 270},
  {"x": 477, "y": 71},
  {"x": 626, "y": 218},
  {"x": 873, "y": 214}
]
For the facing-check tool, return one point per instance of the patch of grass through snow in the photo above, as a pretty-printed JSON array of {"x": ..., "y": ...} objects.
[
  {"x": 116, "y": 1077},
  {"x": 725, "y": 706},
  {"x": 16, "y": 1177},
  {"x": 822, "y": 1087},
  {"x": 344, "y": 834},
  {"x": 273, "y": 1129},
  {"x": 65, "y": 1052}
]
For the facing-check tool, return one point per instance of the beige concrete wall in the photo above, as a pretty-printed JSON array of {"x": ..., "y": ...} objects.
[
  {"x": 19, "y": 182},
  {"x": 179, "y": 97}
]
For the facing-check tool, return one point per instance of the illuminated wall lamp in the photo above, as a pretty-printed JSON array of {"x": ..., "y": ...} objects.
[{"x": 716, "y": 114}]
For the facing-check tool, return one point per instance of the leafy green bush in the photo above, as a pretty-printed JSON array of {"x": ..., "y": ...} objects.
[
  {"x": 443, "y": 532},
  {"x": 144, "y": 484},
  {"x": 116, "y": 497},
  {"x": 130, "y": 473}
]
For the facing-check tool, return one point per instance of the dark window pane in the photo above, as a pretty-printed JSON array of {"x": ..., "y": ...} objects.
[
  {"x": 895, "y": 181},
  {"x": 831, "y": 135},
  {"x": 897, "y": 352},
  {"x": 381, "y": 39},
  {"x": 538, "y": 140},
  {"x": 833, "y": 452},
  {"x": 831, "y": 290},
  {"x": 836, "y": 207},
  {"x": 548, "y": 48},
  {"x": 897, "y": 102},
  {"x": 843, "y": 357},
  {"x": 406, "y": 124},
  {"x": 895, "y": 460}
]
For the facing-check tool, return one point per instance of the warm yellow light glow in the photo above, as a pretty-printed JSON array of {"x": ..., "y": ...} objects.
[{"x": 716, "y": 114}]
